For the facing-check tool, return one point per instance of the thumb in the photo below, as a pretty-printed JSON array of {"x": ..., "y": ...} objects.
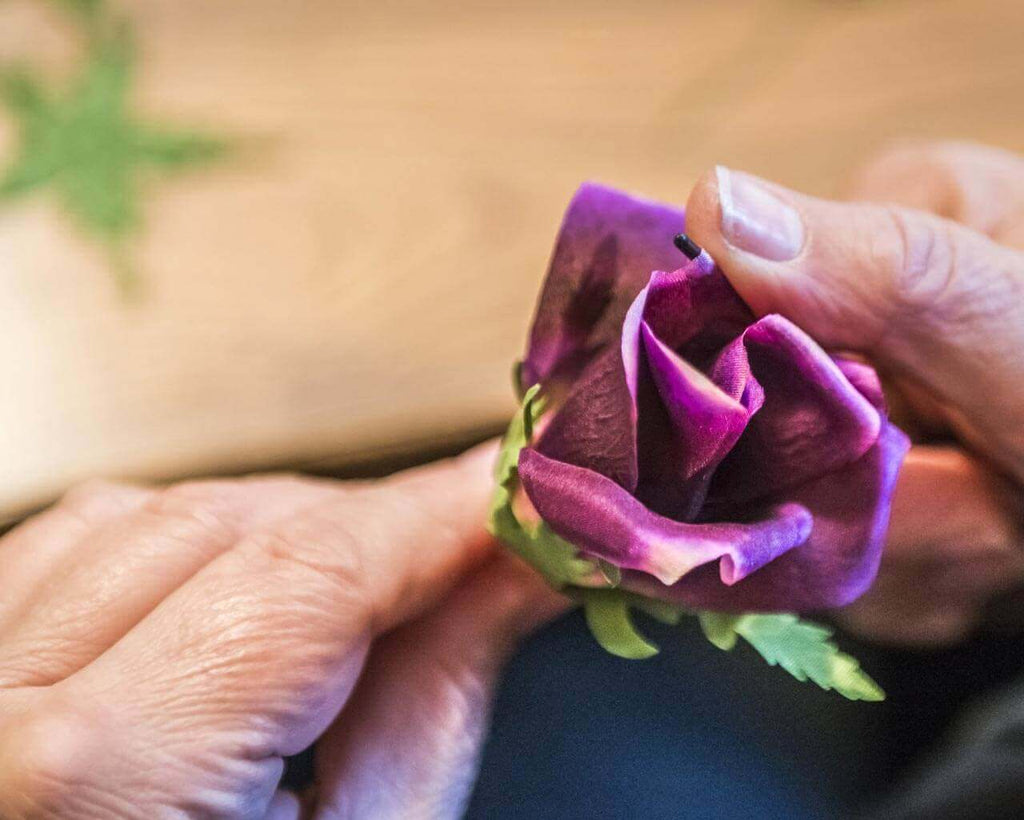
[
  {"x": 921, "y": 296},
  {"x": 408, "y": 743}
]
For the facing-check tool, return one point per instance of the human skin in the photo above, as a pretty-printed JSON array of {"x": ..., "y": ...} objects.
[{"x": 161, "y": 649}]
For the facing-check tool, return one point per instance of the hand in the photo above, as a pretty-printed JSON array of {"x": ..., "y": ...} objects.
[
  {"x": 930, "y": 288},
  {"x": 161, "y": 650}
]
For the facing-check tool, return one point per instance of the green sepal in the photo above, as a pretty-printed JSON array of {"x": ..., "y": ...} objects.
[
  {"x": 517, "y": 380},
  {"x": 517, "y": 436},
  {"x": 661, "y": 611},
  {"x": 607, "y": 614},
  {"x": 802, "y": 648},
  {"x": 612, "y": 574},
  {"x": 554, "y": 557},
  {"x": 720, "y": 628}
]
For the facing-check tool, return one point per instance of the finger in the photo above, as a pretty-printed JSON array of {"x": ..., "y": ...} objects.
[
  {"x": 40, "y": 546},
  {"x": 928, "y": 299},
  {"x": 408, "y": 742},
  {"x": 262, "y": 646},
  {"x": 954, "y": 542},
  {"x": 91, "y": 590},
  {"x": 950, "y": 507},
  {"x": 977, "y": 185},
  {"x": 284, "y": 806},
  {"x": 75, "y": 758},
  {"x": 912, "y": 624}
]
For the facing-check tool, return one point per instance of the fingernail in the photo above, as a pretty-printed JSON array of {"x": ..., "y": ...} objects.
[{"x": 755, "y": 220}]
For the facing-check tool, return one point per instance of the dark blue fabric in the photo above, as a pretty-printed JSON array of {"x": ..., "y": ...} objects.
[
  {"x": 700, "y": 733},
  {"x": 695, "y": 733}
]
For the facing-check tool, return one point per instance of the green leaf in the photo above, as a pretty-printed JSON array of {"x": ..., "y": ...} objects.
[
  {"x": 85, "y": 8},
  {"x": 802, "y": 648},
  {"x": 607, "y": 614},
  {"x": 177, "y": 150},
  {"x": 21, "y": 92},
  {"x": 101, "y": 198},
  {"x": 82, "y": 141}
]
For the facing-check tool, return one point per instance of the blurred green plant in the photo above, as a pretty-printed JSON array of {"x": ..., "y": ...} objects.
[
  {"x": 88, "y": 9},
  {"x": 83, "y": 144}
]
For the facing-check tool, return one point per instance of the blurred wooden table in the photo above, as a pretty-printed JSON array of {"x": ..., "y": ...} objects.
[{"x": 362, "y": 278}]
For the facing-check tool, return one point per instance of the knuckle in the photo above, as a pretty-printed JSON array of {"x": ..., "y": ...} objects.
[
  {"x": 413, "y": 498},
  {"x": 312, "y": 542},
  {"x": 92, "y": 498},
  {"x": 460, "y": 695},
  {"x": 59, "y": 744},
  {"x": 207, "y": 506},
  {"x": 202, "y": 493},
  {"x": 899, "y": 152},
  {"x": 922, "y": 259},
  {"x": 995, "y": 535}
]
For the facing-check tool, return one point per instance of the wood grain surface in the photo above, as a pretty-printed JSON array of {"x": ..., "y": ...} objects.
[{"x": 360, "y": 275}]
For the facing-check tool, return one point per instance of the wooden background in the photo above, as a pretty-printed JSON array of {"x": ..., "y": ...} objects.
[{"x": 359, "y": 279}]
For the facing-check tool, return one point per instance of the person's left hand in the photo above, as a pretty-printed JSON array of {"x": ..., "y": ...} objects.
[{"x": 162, "y": 650}]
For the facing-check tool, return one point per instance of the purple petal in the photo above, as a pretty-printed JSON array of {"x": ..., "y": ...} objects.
[
  {"x": 686, "y": 426},
  {"x": 596, "y": 426},
  {"x": 604, "y": 520},
  {"x": 695, "y": 311},
  {"x": 607, "y": 248},
  {"x": 865, "y": 379},
  {"x": 704, "y": 418},
  {"x": 850, "y": 509},
  {"x": 813, "y": 420}
]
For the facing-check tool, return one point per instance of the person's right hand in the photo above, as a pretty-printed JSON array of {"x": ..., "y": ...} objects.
[{"x": 930, "y": 288}]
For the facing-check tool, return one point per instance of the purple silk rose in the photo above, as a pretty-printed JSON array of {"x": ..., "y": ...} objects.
[{"x": 720, "y": 461}]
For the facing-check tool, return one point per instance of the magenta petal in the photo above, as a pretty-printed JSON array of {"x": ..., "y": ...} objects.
[
  {"x": 840, "y": 559},
  {"x": 705, "y": 420},
  {"x": 813, "y": 420},
  {"x": 695, "y": 311},
  {"x": 865, "y": 379},
  {"x": 596, "y": 427},
  {"x": 603, "y": 520},
  {"x": 607, "y": 248},
  {"x": 685, "y": 424}
]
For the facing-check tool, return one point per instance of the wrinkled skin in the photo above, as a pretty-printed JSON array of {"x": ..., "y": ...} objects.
[
  {"x": 722, "y": 461},
  {"x": 161, "y": 649}
]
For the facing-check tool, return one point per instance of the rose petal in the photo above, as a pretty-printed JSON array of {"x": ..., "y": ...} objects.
[
  {"x": 596, "y": 426},
  {"x": 813, "y": 420},
  {"x": 840, "y": 559},
  {"x": 607, "y": 248},
  {"x": 686, "y": 426},
  {"x": 705, "y": 418},
  {"x": 604, "y": 520},
  {"x": 699, "y": 311},
  {"x": 865, "y": 379},
  {"x": 695, "y": 311}
]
